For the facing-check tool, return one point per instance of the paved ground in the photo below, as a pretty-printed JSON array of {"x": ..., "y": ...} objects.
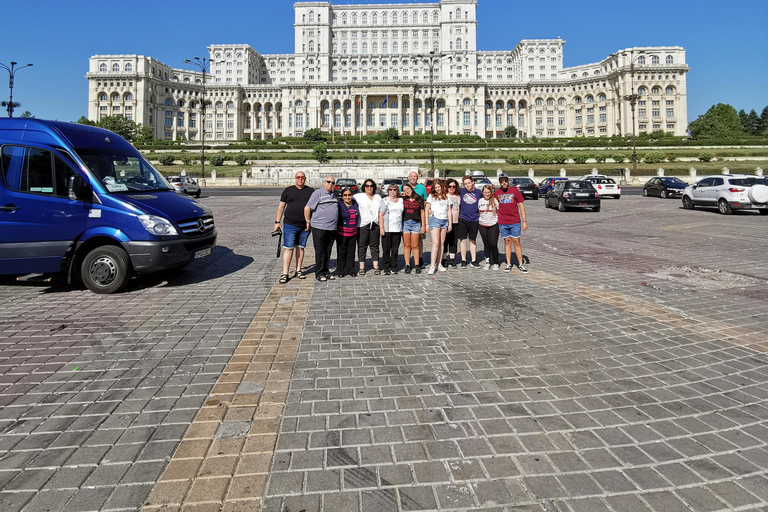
[{"x": 627, "y": 372}]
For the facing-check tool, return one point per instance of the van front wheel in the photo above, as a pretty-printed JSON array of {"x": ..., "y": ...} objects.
[{"x": 106, "y": 269}]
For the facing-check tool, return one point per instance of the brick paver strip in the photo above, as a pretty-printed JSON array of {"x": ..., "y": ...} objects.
[{"x": 223, "y": 461}]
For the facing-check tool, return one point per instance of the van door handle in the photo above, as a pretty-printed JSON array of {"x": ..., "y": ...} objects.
[{"x": 9, "y": 208}]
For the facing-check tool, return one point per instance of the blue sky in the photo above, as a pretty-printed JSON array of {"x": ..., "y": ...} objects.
[{"x": 726, "y": 52}]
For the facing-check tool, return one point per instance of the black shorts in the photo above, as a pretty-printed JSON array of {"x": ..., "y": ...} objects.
[{"x": 467, "y": 229}]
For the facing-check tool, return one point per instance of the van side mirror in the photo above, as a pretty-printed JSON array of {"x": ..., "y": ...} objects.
[{"x": 79, "y": 189}]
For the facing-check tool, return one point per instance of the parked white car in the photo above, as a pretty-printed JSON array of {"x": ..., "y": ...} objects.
[
  {"x": 728, "y": 192},
  {"x": 186, "y": 185},
  {"x": 604, "y": 185}
]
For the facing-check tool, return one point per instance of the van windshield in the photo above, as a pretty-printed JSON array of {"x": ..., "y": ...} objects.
[{"x": 123, "y": 171}]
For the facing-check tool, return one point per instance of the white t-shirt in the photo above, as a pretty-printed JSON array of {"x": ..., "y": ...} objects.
[
  {"x": 393, "y": 215},
  {"x": 369, "y": 208},
  {"x": 438, "y": 207},
  {"x": 488, "y": 216}
]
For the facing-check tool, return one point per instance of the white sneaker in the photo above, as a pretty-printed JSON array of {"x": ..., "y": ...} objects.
[
  {"x": 442, "y": 268},
  {"x": 508, "y": 268},
  {"x": 495, "y": 267},
  {"x": 431, "y": 270},
  {"x": 487, "y": 266}
]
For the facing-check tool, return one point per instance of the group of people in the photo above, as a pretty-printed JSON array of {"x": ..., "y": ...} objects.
[{"x": 365, "y": 221}]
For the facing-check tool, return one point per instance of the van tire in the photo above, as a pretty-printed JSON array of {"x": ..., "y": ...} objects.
[
  {"x": 197, "y": 194},
  {"x": 106, "y": 269}
]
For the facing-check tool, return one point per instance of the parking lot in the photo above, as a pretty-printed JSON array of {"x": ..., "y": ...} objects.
[{"x": 626, "y": 372}]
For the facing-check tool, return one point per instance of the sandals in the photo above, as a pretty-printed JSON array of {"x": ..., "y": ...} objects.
[
  {"x": 322, "y": 279},
  {"x": 300, "y": 274},
  {"x": 331, "y": 277},
  {"x": 283, "y": 278},
  {"x": 376, "y": 272},
  {"x": 361, "y": 273}
]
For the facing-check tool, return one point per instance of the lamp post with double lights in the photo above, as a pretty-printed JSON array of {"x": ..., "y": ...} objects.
[
  {"x": 10, "y": 105},
  {"x": 431, "y": 59},
  {"x": 632, "y": 98},
  {"x": 204, "y": 65}
]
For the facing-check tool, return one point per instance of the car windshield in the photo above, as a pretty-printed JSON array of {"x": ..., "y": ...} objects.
[
  {"x": 123, "y": 171},
  {"x": 521, "y": 181},
  {"x": 579, "y": 185},
  {"x": 673, "y": 182},
  {"x": 175, "y": 180},
  {"x": 749, "y": 182}
]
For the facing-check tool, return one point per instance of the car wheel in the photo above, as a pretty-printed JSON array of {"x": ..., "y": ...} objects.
[
  {"x": 197, "y": 194},
  {"x": 663, "y": 194},
  {"x": 645, "y": 192},
  {"x": 536, "y": 197},
  {"x": 723, "y": 207},
  {"x": 596, "y": 209},
  {"x": 106, "y": 269},
  {"x": 763, "y": 212},
  {"x": 560, "y": 205},
  {"x": 687, "y": 203},
  {"x": 617, "y": 197}
]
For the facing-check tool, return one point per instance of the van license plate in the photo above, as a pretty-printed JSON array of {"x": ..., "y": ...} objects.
[{"x": 203, "y": 253}]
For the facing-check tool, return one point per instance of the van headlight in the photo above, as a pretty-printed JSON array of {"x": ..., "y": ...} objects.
[{"x": 157, "y": 225}]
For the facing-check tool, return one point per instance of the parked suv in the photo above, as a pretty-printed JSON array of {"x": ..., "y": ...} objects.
[
  {"x": 81, "y": 202},
  {"x": 728, "y": 192},
  {"x": 391, "y": 181},
  {"x": 186, "y": 185},
  {"x": 546, "y": 184},
  {"x": 572, "y": 194}
]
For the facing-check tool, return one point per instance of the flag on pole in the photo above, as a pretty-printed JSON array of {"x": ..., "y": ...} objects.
[
  {"x": 358, "y": 102},
  {"x": 386, "y": 100}
]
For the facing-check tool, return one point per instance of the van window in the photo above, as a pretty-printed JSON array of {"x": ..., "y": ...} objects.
[
  {"x": 36, "y": 171},
  {"x": 122, "y": 171}
]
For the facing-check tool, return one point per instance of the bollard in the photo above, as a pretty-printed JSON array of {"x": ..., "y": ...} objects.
[
  {"x": 726, "y": 170},
  {"x": 692, "y": 173},
  {"x": 660, "y": 171},
  {"x": 562, "y": 172},
  {"x": 531, "y": 173},
  {"x": 759, "y": 171},
  {"x": 213, "y": 176}
]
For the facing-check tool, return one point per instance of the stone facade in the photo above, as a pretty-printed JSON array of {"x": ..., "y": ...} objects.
[{"x": 364, "y": 68}]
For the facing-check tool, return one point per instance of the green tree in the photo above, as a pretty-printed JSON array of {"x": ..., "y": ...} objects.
[
  {"x": 118, "y": 124},
  {"x": 320, "y": 153},
  {"x": 166, "y": 159},
  {"x": 744, "y": 120},
  {"x": 720, "y": 122},
  {"x": 28, "y": 115},
  {"x": 763, "y": 130},
  {"x": 314, "y": 134},
  {"x": 217, "y": 160},
  {"x": 753, "y": 123},
  {"x": 142, "y": 134},
  {"x": 510, "y": 132},
  {"x": 85, "y": 120}
]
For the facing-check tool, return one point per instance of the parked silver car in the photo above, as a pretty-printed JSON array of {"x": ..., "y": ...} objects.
[
  {"x": 186, "y": 185},
  {"x": 728, "y": 192}
]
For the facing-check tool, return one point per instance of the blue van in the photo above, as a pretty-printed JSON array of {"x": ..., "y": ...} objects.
[{"x": 82, "y": 202}]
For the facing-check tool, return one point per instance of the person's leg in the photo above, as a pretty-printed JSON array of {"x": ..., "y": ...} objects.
[
  {"x": 419, "y": 252},
  {"x": 363, "y": 237},
  {"x": 486, "y": 245},
  {"x": 395, "y": 249},
  {"x": 351, "y": 242},
  {"x": 375, "y": 238},
  {"x": 441, "y": 243},
  {"x": 287, "y": 257},
  {"x": 518, "y": 251},
  {"x": 407, "y": 248},
  {"x": 299, "y": 258},
  {"x": 418, "y": 259},
  {"x": 318, "y": 238},
  {"x": 386, "y": 255},
  {"x": 435, "y": 234},
  {"x": 461, "y": 235},
  {"x": 508, "y": 249},
  {"x": 472, "y": 235},
  {"x": 493, "y": 241},
  {"x": 341, "y": 256}
]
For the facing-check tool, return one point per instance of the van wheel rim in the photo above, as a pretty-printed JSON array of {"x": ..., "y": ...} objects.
[{"x": 103, "y": 271}]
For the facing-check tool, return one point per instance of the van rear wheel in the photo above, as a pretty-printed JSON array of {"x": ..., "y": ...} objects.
[{"x": 106, "y": 269}]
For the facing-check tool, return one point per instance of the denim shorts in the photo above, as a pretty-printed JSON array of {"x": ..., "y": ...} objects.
[
  {"x": 294, "y": 235},
  {"x": 411, "y": 226},
  {"x": 509, "y": 230},
  {"x": 438, "y": 223}
]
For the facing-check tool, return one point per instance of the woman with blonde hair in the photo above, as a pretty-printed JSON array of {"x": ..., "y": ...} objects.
[
  {"x": 488, "y": 207},
  {"x": 438, "y": 210}
]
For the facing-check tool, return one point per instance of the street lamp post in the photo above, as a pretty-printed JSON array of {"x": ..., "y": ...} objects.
[
  {"x": 432, "y": 57},
  {"x": 204, "y": 65},
  {"x": 10, "y": 105},
  {"x": 632, "y": 98}
]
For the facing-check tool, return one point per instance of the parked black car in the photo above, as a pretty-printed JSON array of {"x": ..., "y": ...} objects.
[
  {"x": 572, "y": 194},
  {"x": 343, "y": 183},
  {"x": 664, "y": 187},
  {"x": 526, "y": 186},
  {"x": 546, "y": 184}
]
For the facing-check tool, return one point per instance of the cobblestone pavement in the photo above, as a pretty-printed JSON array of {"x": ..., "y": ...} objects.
[{"x": 626, "y": 372}]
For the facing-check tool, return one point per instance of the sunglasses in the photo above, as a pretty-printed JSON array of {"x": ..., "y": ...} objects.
[
  {"x": 451, "y": 186},
  {"x": 331, "y": 182},
  {"x": 347, "y": 195},
  {"x": 368, "y": 185},
  {"x": 301, "y": 177}
]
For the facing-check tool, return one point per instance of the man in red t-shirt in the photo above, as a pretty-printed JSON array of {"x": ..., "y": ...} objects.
[{"x": 511, "y": 210}]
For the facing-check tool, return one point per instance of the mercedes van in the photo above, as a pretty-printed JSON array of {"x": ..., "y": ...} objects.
[{"x": 82, "y": 202}]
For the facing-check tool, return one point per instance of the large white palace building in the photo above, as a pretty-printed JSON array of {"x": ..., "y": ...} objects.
[{"x": 361, "y": 69}]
